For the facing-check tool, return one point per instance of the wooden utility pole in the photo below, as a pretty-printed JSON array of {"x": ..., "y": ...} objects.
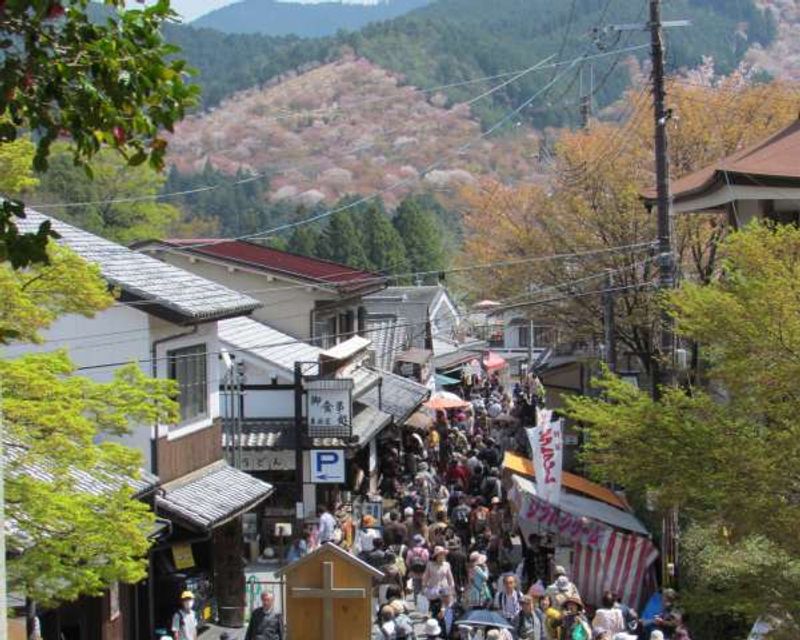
[
  {"x": 609, "y": 330},
  {"x": 666, "y": 276}
]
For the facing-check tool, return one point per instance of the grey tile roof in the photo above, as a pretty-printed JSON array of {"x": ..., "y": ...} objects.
[
  {"x": 389, "y": 336},
  {"x": 364, "y": 379},
  {"x": 268, "y": 344},
  {"x": 97, "y": 482},
  {"x": 265, "y": 434},
  {"x": 368, "y": 422},
  {"x": 147, "y": 279},
  {"x": 211, "y": 496},
  {"x": 398, "y": 396},
  {"x": 415, "y": 295}
]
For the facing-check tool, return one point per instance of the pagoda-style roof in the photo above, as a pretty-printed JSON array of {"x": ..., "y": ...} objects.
[{"x": 766, "y": 170}]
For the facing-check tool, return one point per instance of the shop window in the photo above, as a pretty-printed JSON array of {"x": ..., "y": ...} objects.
[{"x": 188, "y": 367}]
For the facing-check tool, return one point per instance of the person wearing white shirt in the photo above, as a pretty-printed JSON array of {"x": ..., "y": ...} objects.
[{"x": 327, "y": 525}]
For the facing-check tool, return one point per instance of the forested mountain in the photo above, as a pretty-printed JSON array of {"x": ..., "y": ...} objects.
[
  {"x": 450, "y": 41},
  {"x": 279, "y": 18}
]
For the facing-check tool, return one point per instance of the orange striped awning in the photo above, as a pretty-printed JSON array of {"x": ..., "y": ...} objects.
[{"x": 523, "y": 466}]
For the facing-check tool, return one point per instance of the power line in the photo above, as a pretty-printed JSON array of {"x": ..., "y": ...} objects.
[
  {"x": 381, "y": 278},
  {"x": 353, "y": 333},
  {"x": 259, "y": 176}
]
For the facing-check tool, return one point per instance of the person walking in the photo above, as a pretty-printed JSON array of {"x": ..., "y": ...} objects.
[
  {"x": 573, "y": 621},
  {"x": 530, "y": 625},
  {"x": 265, "y": 624},
  {"x": 609, "y": 618},
  {"x": 478, "y": 594},
  {"x": 438, "y": 575},
  {"x": 508, "y": 600},
  {"x": 327, "y": 525},
  {"x": 184, "y": 622}
]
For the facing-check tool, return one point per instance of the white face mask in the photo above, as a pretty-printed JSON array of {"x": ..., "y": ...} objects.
[{"x": 188, "y": 605}]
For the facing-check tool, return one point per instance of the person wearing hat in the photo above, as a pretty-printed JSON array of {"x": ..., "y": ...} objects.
[
  {"x": 562, "y": 588},
  {"x": 184, "y": 622},
  {"x": 478, "y": 593},
  {"x": 366, "y": 536},
  {"x": 265, "y": 624},
  {"x": 432, "y": 629},
  {"x": 573, "y": 622},
  {"x": 438, "y": 575}
]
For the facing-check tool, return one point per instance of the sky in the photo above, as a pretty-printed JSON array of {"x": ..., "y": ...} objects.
[{"x": 191, "y": 9}]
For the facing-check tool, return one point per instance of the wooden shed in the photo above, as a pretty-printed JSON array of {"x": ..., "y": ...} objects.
[{"x": 329, "y": 596}]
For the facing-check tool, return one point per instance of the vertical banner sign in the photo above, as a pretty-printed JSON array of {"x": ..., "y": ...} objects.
[{"x": 547, "y": 449}]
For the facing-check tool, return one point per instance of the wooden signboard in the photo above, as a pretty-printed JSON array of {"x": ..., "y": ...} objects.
[{"x": 329, "y": 596}]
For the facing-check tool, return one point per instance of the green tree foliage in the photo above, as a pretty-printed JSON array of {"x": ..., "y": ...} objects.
[
  {"x": 126, "y": 209},
  {"x": 67, "y": 541},
  {"x": 111, "y": 83},
  {"x": 383, "y": 245},
  {"x": 451, "y": 41},
  {"x": 726, "y": 459},
  {"x": 421, "y": 236},
  {"x": 341, "y": 241},
  {"x": 304, "y": 240}
]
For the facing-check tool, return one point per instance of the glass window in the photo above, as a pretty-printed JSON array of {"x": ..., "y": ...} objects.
[
  {"x": 188, "y": 367},
  {"x": 523, "y": 336}
]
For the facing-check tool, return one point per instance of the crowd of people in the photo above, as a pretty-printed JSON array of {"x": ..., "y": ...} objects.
[{"x": 450, "y": 549}]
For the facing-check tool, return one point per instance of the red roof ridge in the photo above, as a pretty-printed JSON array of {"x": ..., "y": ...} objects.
[{"x": 271, "y": 258}]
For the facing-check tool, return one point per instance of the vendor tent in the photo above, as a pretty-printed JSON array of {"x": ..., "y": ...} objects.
[
  {"x": 446, "y": 400},
  {"x": 610, "y": 550}
]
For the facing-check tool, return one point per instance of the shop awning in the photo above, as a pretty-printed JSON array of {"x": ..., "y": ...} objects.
[
  {"x": 588, "y": 508},
  {"x": 494, "y": 361},
  {"x": 445, "y": 381},
  {"x": 523, "y": 466},
  {"x": 211, "y": 496}
]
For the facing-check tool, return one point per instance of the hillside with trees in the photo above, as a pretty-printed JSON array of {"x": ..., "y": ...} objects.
[
  {"x": 450, "y": 41},
  {"x": 280, "y": 18},
  {"x": 342, "y": 128}
]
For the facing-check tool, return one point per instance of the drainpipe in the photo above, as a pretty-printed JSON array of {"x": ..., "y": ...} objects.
[{"x": 154, "y": 372}]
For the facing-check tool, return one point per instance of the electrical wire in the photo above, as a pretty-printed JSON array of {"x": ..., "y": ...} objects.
[{"x": 252, "y": 178}]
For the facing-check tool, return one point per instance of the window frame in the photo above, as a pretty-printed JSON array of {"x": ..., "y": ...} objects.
[{"x": 172, "y": 360}]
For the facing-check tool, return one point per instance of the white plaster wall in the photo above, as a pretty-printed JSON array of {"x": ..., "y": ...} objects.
[
  {"x": 120, "y": 334},
  {"x": 285, "y": 309}
]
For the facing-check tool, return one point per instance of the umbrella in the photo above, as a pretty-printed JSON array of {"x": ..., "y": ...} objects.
[
  {"x": 445, "y": 400},
  {"x": 486, "y": 304},
  {"x": 494, "y": 361},
  {"x": 485, "y": 618}
]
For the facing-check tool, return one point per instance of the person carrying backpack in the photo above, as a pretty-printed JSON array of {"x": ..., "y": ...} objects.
[{"x": 416, "y": 563}]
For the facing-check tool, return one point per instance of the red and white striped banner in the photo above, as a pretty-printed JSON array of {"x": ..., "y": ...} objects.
[{"x": 621, "y": 566}]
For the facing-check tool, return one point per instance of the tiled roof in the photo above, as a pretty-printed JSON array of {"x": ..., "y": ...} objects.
[
  {"x": 212, "y": 496},
  {"x": 775, "y": 157},
  {"x": 389, "y": 335},
  {"x": 144, "y": 278},
  {"x": 364, "y": 379},
  {"x": 265, "y": 434},
  {"x": 398, "y": 396},
  {"x": 415, "y": 295},
  {"x": 266, "y": 343},
  {"x": 277, "y": 261},
  {"x": 368, "y": 422}
]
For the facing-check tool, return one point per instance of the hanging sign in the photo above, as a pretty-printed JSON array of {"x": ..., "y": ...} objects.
[
  {"x": 536, "y": 515},
  {"x": 547, "y": 451},
  {"x": 330, "y": 408},
  {"x": 182, "y": 556}
]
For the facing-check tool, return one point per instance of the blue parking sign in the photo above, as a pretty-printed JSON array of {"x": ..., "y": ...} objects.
[{"x": 327, "y": 466}]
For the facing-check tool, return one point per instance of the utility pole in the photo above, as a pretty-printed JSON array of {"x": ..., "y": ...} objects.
[
  {"x": 609, "y": 329},
  {"x": 665, "y": 369},
  {"x": 299, "y": 433},
  {"x": 666, "y": 276}
]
